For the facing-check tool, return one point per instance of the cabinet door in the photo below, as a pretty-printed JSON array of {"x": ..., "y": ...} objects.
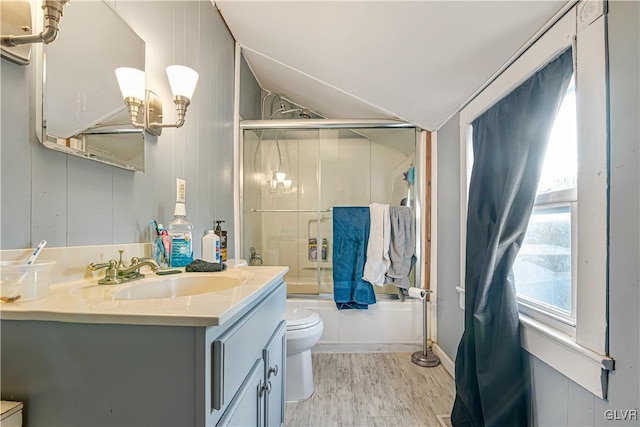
[
  {"x": 247, "y": 408},
  {"x": 274, "y": 355},
  {"x": 234, "y": 351}
]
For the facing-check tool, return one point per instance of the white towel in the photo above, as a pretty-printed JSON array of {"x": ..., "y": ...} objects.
[{"x": 378, "y": 260}]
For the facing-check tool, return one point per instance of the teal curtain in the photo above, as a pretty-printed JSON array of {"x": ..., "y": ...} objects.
[{"x": 509, "y": 145}]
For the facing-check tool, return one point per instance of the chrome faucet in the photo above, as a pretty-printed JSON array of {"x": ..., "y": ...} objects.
[
  {"x": 254, "y": 257},
  {"x": 117, "y": 272}
]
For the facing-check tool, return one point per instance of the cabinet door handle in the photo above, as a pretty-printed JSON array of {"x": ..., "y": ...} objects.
[
  {"x": 273, "y": 370},
  {"x": 217, "y": 375},
  {"x": 265, "y": 387}
]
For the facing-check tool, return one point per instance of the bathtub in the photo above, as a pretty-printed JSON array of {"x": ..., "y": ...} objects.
[{"x": 387, "y": 326}]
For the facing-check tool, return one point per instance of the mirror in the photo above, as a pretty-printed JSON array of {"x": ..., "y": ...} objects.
[{"x": 83, "y": 113}]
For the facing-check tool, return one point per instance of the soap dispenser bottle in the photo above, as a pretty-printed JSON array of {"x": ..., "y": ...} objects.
[
  {"x": 223, "y": 240},
  {"x": 181, "y": 234}
]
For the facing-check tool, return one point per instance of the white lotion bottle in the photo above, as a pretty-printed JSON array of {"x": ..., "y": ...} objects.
[{"x": 211, "y": 247}]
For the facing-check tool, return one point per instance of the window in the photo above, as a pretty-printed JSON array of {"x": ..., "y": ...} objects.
[
  {"x": 561, "y": 269},
  {"x": 545, "y": 279}
]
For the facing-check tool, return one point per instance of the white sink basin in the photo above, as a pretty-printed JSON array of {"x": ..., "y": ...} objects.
[{"x": 179, "y": 286}]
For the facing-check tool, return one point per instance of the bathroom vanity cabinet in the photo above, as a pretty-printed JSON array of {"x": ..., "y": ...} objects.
[
  {"x": 101, "y": 374},
  {"x": 247, "y": 369}
]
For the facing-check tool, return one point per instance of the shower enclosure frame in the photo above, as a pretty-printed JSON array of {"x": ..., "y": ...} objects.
[{"x": 317, "y": 124}]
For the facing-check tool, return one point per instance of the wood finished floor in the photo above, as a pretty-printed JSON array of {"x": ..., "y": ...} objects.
[{"x": 373, "y": 389}]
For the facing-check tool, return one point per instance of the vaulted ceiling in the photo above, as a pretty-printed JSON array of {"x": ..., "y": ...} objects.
[{"x": 418, "y": 61}]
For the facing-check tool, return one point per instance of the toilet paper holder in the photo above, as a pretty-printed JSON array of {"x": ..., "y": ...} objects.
[
  {"x": 418, "y": 293},
  {"x": 424, "y": 358}
]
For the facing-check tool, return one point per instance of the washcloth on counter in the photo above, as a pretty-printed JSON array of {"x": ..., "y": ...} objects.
[
  {"x": 378, "y": 260},
  {"x": 402, "y": 247},
  {"x": 350, "y": 239},
  {"x": 201, "y": 266}
]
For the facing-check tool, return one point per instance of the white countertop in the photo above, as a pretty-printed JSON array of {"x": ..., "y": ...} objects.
[
  {"x": 87, "y": 302},
  {"x": 7, "y": 408}
]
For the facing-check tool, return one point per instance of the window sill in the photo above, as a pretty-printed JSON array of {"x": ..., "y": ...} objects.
[
  {"x": 461, "y": 299},
  {"x": 560, "y": 351}
]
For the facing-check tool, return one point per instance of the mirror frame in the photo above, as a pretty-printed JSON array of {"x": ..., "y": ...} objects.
[{"x": 123, "y": 132}]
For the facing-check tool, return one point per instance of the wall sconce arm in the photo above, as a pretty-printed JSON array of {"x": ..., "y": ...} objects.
[
  {"x": 133, "y": 105},
  {"x": 182, "y": 102},
  {"x": 52, "y": 13}
]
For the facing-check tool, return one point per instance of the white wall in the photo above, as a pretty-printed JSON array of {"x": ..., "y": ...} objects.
[
  {"x": 71, "y": 201},
  {"x": 556, "y": 400},
  {"x": 450, "y": 316}
]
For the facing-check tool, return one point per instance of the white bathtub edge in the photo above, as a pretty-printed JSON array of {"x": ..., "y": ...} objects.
[{"x": 386, "y": 327}]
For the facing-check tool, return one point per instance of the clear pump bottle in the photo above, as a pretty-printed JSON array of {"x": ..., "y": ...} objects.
[{"x": 181, "y": 235}]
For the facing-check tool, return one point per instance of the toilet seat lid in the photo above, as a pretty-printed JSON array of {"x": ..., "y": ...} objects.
[{"x": 300, "y": 318}]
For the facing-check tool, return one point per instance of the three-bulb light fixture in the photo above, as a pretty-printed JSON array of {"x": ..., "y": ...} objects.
[
  {"x": 279, "y": 182},
  {"x": 183, "y": 82}
]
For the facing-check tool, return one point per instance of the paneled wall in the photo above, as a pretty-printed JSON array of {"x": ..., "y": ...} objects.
[
  {"x": 555, "y": 399},
  {"x": 71, "y": 201}
]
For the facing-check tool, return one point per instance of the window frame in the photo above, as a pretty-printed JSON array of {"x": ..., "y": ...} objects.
[
  {"x": 529, "y": 307},
  {"x": 580, "y": 352}
]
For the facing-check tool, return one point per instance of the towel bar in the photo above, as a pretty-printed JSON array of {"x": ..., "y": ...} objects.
[{"x": 292, "y": 210}]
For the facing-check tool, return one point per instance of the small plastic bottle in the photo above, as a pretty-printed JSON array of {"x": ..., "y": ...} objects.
[
  {"x": 211, "y": 247},
  {"x": 181, "y": 234},
  {"x": 223, "y": 240}
]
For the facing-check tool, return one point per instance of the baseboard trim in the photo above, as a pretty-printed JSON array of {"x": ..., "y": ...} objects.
[{"x": 448, "y": 364}]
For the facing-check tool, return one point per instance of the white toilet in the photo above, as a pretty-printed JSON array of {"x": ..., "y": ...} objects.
[{"x": 304, "y": 329}]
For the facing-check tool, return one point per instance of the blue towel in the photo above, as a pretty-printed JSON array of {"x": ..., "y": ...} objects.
[{"x": 350, "y": 239}]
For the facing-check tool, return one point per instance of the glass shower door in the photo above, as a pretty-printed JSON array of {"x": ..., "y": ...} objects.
[
  {"x": 292, "y": 180},
  {"x": 280, "y": 203}
]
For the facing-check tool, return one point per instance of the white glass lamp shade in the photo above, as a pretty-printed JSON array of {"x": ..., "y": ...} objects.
[
  {"x": 280, "y": 176},
  {"x": 131, "y": 81},
  {"x": 182, "y": 80}
]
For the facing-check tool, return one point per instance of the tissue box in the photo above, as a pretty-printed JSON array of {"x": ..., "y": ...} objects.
[{"x": 22, "y": 282}]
